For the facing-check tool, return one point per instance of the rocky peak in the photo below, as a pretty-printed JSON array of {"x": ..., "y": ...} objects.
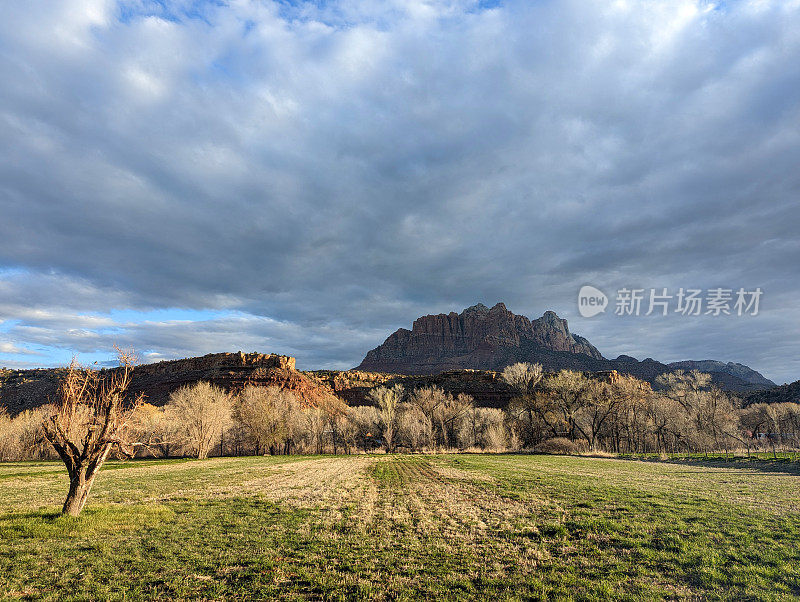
[
  {"x": 478, "y": 307},
  {"x": 478, "y": 337}
]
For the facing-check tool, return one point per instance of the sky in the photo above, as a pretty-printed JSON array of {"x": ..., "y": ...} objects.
[{"x": 186, "y": 177}]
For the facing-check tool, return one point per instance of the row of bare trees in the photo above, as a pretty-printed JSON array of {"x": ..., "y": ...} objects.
[
  {"x": 201, "y": 420},
  {"x": 684, "y": 413},
  {"x": 429, "y": 418},
  {"x": 619, "y": 413}
]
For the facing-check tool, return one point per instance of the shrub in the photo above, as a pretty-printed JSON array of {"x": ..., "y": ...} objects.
[{"x": 559, "y": 446}]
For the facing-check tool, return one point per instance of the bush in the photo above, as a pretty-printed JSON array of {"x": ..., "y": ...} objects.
[{"x": 560, "y": 446}]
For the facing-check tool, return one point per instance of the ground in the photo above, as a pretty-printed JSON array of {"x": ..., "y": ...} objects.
[{"x": 457, "y": 527}]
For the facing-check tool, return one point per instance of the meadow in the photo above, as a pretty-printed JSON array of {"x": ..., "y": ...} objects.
[{"x": 404, "y": 527}]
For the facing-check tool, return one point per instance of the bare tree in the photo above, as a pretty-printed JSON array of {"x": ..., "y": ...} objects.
[
  {"x": 366, "y": 422},
  {"x": 523, "y": 377},
  {"x": 570, "y": 393},
  {"x": 314, "y": 420},
  {"x": 156, "y": 431},
  {"x": 267, "y": 413},
  {"x": 387, "y": 401},
  {"x": 202, "y": 412},
  {"x": 530, "y": 411},
  {"x": 9, "y": 448},
  {"x": 605, "y": 399},
  {"x": 414, "y": 429},
  {"x": 684, "y": 387},
  {"x": 483, "y": 428},
  {"x": 440, "y": 411},
  {"x": 449, "y": 416},
  {"x": 89, "y": 420}
]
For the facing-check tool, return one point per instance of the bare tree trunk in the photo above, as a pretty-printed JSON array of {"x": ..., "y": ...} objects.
[
  {"x": 81, "y": 479},
  {"x": 388, "y": 435},
  {"x": 79, "y": 487}
]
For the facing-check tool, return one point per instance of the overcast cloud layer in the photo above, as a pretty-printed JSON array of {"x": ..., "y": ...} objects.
[{"x": 189, "y": 177}]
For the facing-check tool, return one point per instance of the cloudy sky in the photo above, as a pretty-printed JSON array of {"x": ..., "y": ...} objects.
[{"x": 186, "y": 177}]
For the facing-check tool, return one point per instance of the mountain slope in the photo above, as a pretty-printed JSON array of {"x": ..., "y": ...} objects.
[
  {"x": 25, "y": 389},
  {"x": 741, "y": 371},
  {"x": 478, "y": 337},
  {"x": 779, "y": 394},
  {"x": 490, "y": 339}
]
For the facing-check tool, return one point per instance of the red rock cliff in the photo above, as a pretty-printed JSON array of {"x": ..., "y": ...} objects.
[{"x": 478, "y": 337}]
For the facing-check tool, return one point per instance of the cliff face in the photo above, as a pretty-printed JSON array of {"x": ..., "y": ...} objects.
[
  {"x": 25, "y": 389},
  {"x": 478, "y": 337},
  {"x": 491, "y": 339},
  {"x": 231, "y": 371}
]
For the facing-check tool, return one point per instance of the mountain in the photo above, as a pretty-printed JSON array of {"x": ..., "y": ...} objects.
[
  {"x": 26, "y": 389},
  {"x": 741, "y": 371},
  {"x": 490, "y": 339},
  {"x": 779, "y": 394},
  {"x": 478, "y": 337}
]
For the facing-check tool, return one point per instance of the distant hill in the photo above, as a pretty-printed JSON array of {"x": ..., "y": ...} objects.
[
  {"x": 490, "y": 339},
  {"x": 779, "y": 394},
  {"x": 739, "y": 371},
  {"x": 26, "y": 389}
]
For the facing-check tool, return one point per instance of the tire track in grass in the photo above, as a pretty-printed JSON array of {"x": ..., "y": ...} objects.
[{"x": 457, "y": 516}]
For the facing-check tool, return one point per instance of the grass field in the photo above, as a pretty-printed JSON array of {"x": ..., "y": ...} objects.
[{"x": 404, "y": 527}]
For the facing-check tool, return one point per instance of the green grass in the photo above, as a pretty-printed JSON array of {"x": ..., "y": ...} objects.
[
  {"x": 458, "y": 527},
  {"x": 739, "y": 456}
]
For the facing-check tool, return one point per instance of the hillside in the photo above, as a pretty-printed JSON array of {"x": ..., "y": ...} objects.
[
  {"x": 25, "y": 389},
  {"x": 490, "y": 339},
  {"x": 780, "y": 394}
]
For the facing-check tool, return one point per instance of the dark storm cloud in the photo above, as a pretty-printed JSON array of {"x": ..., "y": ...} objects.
[{"x": 318, "y": 175}]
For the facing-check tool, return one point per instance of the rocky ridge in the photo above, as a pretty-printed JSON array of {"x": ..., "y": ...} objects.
[
  {"x": 491, "y": 339},
  {"x": 25, "y": 389},
  {"x": 478, "y": 337}
]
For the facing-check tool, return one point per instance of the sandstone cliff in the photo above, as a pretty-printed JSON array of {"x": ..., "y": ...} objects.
[
  {"x": 25, "y": 389},
  {"x": 478, "y": 337},
  {"x": 491, "y": 339}
]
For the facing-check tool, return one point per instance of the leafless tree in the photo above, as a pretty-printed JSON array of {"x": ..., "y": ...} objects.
[
  {"x": 201, "y": 412},
  {"x": 8, "y": 440},
  {"x": 570, "y": 394},
  {"x": 530, "y": 412},
  {"x": 523, "y": 377},
  {"x": 157, "y": 432},
  {"x": 441, "y": 411},
  {"x": 449, "y": 415},
  {"x": 268, "y": 414},
  {"x": 366, "y": 423},
  {"x": 89, "y": 420},
  {"x": 483, "y": 428},
  {"x": 387, "y": 400}
]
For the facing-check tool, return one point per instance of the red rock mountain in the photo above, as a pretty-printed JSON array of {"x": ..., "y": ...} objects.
[
  {"x": 490, "y": 339},
  {"x": 480, "y": 338}
]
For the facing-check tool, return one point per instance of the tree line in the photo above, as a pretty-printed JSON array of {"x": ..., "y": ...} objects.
[{"x": 564, "y": 411}]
